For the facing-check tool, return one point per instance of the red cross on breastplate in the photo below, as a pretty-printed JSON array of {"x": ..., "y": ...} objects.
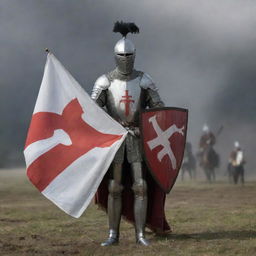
[{"x": 127, "y": 99}]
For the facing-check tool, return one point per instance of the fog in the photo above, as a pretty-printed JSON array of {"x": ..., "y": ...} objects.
[{"x": 201, "y": 54}]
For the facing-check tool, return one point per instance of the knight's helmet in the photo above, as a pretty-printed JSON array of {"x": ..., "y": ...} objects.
[
  {"x": 206, "y": 128},
  {"x": 236, "y": 144},
  {"x": 124, "y": 49}
]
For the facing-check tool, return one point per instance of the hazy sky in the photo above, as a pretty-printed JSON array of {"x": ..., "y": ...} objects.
[{"x": 201, "y": 54}]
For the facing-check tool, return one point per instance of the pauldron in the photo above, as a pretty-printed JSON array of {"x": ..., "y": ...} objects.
[{"x": 102, "y": 83}]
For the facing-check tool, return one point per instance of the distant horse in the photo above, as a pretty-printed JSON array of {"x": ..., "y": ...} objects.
[
  {"x": 189, "y": 163},
  {"x": 209, "y": 160},
  {"x": 236, "y": 173}
]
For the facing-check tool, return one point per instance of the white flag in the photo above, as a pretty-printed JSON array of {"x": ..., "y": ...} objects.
[{"x": 71, "y": 141}]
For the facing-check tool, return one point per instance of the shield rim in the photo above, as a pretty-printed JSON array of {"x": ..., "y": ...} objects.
[{"x": 142, "y": 143}]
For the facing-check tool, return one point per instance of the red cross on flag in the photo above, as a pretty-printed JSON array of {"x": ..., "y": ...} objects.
[{"x": 71, "y": 141}]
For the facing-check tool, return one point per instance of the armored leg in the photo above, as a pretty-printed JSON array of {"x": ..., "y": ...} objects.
[
  {"x": 114, "y": 206},
  {"x": 140, "y": 203}
]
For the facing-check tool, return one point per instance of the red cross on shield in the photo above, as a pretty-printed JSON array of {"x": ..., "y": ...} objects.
[{"x": 164, "y": 132}]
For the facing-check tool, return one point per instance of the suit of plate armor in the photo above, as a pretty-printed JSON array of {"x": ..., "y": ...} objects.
[{"x": 124, "y": 92}]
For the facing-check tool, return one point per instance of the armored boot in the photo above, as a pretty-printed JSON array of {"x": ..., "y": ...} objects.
[
  {"x": 113, "y": 238},
  {"x": 140, "y": 211},
  {"x": 114, "y": 212}
]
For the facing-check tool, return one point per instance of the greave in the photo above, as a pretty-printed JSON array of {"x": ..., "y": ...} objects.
[
  {"x": 140, "y": 213},
  {"x": 140, "y": 210},
  {"x": 114, "y": 212}
]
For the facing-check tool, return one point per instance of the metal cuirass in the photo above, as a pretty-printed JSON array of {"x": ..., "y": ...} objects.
[
  {"x": 125, "y": 95},
  {"x": 124, "y": 98}
]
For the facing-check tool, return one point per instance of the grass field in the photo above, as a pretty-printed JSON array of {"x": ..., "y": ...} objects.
[{"x": 217, "y": 219}]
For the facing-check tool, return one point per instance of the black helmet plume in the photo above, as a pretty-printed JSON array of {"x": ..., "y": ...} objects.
[{"x": 125, "y": 27}]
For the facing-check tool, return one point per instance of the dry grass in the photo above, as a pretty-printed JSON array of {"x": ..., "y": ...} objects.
[{"x": 217, "y": 219}]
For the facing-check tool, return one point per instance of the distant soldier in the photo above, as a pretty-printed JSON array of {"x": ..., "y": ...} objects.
[
  {"x": 208, "y": 158},
  {"x": 207, "y": 138},
  {"x": 236, "y": 163},
  {"x": 189, "y": 162}
]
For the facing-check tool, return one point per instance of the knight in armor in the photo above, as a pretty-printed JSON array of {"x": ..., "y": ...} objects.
[
  {"x": 124, "y": 92},
  {"x": 236, "y": 163}
]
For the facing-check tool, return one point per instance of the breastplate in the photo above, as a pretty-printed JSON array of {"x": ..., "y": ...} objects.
[{"x": 123, "y": 100}]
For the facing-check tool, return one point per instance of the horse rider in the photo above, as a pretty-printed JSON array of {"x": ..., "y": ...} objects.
[
  {"x": 236, "y": 163},
  {"x": 208, "y": 158},
  {"x": 207, "y": 138}
]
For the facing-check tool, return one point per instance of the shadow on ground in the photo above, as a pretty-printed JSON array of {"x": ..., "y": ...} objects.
[{"x": 233, "y": 234}]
